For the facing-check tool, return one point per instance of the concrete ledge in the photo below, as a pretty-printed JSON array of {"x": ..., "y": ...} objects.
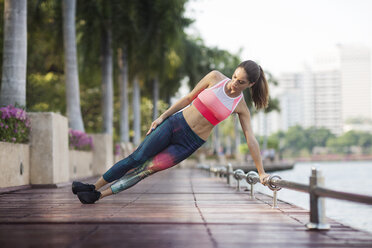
[
  {"x": 81, "y": 164},
  {"x": 49, "y": 155},
  {"x": 103, "y": 157},
  {"x": 14, "y": 164}
]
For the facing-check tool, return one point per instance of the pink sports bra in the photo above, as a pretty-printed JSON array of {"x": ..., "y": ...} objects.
[{"x": 214, "y": 104}]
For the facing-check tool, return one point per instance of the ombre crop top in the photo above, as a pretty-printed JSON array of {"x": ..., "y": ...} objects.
[{"x": 214, "y": 104}]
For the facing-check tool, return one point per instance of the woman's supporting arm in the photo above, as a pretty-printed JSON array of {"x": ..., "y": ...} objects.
[{"x": 254, "y": 148}]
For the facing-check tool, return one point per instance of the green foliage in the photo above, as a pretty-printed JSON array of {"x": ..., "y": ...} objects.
[
  {"x": 45, "y": 88},
  {"x": 299, "y": 141},
  {"x": 146, "y": 113},
  {"x": 200, "y": 59},
  {"x": 243, "y": 148},
  {"x": 46, "y": 92},
  {"x": 344, "y": 142},
  {"x": 152, "y": 31},
  {"x": 45, "y": 37}
]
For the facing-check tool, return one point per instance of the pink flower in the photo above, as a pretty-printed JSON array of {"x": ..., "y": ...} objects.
[{"x": 80, "y": 140}]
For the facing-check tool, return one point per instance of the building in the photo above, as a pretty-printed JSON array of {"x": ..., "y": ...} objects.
[{"x": 356, "y": 93}]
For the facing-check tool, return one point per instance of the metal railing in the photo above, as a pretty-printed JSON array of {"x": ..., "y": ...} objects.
[{"x": 275, "y": 183}]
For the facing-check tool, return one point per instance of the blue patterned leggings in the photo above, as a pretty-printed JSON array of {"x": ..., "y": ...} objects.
[{"x": 170, "y": 143}]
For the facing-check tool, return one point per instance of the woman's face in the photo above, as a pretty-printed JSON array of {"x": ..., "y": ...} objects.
[{"x": 239, "y": 80}]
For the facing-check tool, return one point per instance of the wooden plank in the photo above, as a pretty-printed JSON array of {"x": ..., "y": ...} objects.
[{"x": 174, "y": 208}]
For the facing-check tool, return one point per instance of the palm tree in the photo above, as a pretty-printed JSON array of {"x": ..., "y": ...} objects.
[
  {"x": 155, "y": 97},
  {"x": 164, "y": 24},
  {"x": 107, "y": 85},
  {"x": 96, "y": 27},
  {"x": 123, "y": 82},
  {"x": 125, "y": 18},
  {"x": 136, "y": 111},
  {"x": 71, "y": 67},
  {"x": 103, "y": 20},
  {"x": 13, "y": 86}
]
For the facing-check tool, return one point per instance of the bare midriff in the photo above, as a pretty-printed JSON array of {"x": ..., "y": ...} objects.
[{"x": 197, "y": 122}]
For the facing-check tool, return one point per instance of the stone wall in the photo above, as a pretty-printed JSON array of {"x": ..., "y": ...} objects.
[
  {"x": 47, "y": 158},
  {"x": 81, "y": 164},
  {"x": 14, "y": 164},
  {"x": 103, "y": 157}
]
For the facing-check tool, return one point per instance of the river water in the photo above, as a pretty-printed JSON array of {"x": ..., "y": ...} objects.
[{"x": 354, "y": 177}]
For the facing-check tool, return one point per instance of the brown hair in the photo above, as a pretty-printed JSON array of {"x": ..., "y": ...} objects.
[{"x": 260, "y": 90}]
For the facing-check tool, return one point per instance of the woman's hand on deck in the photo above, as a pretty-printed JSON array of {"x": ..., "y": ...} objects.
[
  {"x": 154, "y": 124},
  {"x": 264, "y": 178}
]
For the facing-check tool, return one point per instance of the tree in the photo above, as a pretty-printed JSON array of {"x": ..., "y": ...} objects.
[
  {"x": 107, "y": 68},
  {"x": 71, "y": 66},
  {"x": 317, "y": 137},
  {"x": 13, "y": 86},
  {"x": 295, "y": 139},
  {"x": 124, "y": 16},
  {"x": 164, "y": 24},
  {"x": 156, "y": 33},
  {"x": 123, "y": 81},
  {"x": 136, "y": 111},
  {"x": 45, "y": 89}
]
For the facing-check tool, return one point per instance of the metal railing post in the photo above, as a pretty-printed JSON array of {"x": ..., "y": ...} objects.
[
  {"x": 228, "y": 173},
  {"x": 238, "y": 175},
  {"x": 252, "y": 178},
  {"x": 275, "y": 189},
  {"x": 317, "y": 207},
  {"x": 275, "y": 199},
  {"x": 252, "y": 190}
]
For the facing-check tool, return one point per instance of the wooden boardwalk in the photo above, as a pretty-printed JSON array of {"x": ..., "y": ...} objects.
[{"x": 174, "y": 208}]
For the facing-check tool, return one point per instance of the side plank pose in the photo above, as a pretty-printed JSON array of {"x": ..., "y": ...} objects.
[{"x": 175, "y": 136}]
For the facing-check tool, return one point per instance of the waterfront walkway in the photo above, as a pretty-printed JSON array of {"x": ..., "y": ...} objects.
[{"x": 173, "y": 208}]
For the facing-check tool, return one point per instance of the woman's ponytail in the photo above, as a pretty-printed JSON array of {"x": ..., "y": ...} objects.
[{"x": 260, "y": 90}]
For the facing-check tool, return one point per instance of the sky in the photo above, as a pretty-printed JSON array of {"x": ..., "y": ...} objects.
[{"x": 281, "y": 35}]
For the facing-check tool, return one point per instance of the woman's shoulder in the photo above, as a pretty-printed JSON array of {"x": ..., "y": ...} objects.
[{"x": 216, "y": 77}]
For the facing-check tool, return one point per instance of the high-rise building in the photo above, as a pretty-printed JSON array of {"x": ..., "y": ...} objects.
[
  {"x": 327, "y": 90},
  {"x": 342, "y": 76},
  {"x": 327, "y": 107},
  {"x": 355, "y": 68},
  {"x": 291, "y": 102},
  {"x": 308, "y": 97},
  {"x": 336, "y": 86}
]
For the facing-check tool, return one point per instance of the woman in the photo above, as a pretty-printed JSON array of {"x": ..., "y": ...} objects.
[{"x": 175, "y": 136}]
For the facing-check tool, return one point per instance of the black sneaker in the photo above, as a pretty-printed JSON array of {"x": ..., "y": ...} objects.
[
  {"x": 89, "y": 197},
  {"x": 81, "y": 187}
]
